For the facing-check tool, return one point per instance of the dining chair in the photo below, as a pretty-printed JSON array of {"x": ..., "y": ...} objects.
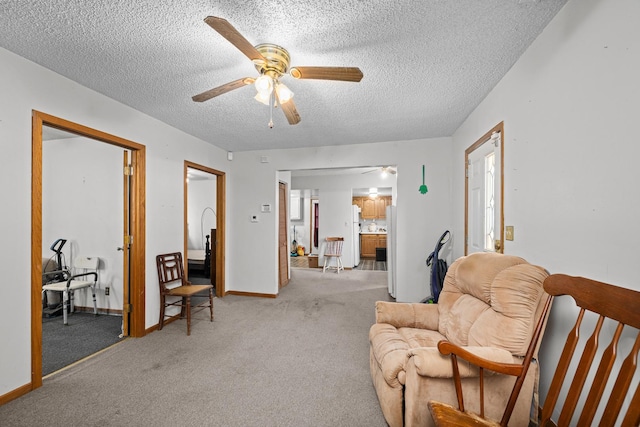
[
  {"x": 173, "y": 283},
  {"x": 333, "y": 252}
]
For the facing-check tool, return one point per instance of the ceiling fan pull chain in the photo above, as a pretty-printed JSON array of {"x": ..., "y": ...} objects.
[{"x": 271, "y": 101}]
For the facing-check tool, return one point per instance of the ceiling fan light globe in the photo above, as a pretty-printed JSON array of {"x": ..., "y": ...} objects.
[
  {"x": 264, "y": 85},
  {"x": 264, "y": 98},
  {"x": 284, "y": 93}
]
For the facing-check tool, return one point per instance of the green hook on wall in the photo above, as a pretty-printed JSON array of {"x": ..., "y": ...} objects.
[{"x": 423, "y": 188}]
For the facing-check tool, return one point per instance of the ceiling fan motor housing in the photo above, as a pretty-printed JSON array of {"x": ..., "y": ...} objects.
[{"x": 277, "y": 57}]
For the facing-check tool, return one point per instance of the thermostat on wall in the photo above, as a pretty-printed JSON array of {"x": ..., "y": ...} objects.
[{"x": 265, "y": 208}]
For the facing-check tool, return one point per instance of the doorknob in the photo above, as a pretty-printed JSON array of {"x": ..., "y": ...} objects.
[
  {"x": 498, "y": 245},
  {"x": 120, "y": 249}
]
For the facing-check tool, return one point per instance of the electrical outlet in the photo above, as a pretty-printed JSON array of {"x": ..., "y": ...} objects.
[{"x": 106, "y": 290}]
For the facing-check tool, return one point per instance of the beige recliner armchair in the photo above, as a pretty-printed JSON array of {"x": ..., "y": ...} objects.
[{"x": 489, "y": 303}]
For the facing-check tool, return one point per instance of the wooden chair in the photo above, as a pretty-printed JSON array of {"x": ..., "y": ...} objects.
[
  {"x": 607, "y": 302},
  {"x": 333, "y": 251},
  {"x": 171, "y": 271}
]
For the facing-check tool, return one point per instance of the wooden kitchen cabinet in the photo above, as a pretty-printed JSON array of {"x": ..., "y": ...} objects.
[
  {"x": 373, "y": 208},
  {"x": 368, "y": 208},
  {"x": 381, "y": 204},
  {"x": 369, "y": 243},
  {"x": 358, "y": 201}
]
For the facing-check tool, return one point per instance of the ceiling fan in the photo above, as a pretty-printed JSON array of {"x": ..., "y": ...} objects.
[
  {"x": 272, "y": 62},
  {"x": 383, "y": 170}
]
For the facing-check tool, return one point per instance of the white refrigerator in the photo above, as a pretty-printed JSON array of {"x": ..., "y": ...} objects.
[
  {"x": 392, "y": 221},
  {"x": 355, "y": 235}
]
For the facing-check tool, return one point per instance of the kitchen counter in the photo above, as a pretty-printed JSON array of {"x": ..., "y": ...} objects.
[{"x": 373, "y": 232}]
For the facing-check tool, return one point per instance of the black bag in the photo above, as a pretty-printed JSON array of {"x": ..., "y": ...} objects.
[{"x": 438, "y": 269}]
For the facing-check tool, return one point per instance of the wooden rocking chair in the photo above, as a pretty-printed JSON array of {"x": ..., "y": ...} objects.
[{"x": 607, "y": 302}]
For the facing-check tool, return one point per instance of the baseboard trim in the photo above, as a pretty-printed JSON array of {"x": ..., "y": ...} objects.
[
  {"x": 109, "y": 311},
  {"x": 165, "y": 323},
  {"x": 251, "y": 294},
  {"x": 14, "y": 394}
]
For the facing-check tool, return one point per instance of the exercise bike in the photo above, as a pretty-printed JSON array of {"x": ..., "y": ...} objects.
[{"x": 52, "y": 301}]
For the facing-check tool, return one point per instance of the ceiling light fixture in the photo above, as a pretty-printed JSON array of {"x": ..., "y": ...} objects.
[
  {"x": 267, "y": 85},
  {"x": 264, "y": 85},
  {"x": 272, "y": 62},
  {"x": 284, "y": 93}
]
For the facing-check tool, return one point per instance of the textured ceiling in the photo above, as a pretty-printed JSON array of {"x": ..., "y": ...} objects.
[{"x": 426, "y": 64}]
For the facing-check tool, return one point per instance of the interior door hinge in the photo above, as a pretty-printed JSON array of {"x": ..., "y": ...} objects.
[
  {"x": 128, "y": 170},
  {"x": 128, "y": 239},
  {"x": 128, "y": 308}
]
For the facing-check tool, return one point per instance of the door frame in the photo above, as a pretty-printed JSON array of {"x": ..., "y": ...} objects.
[
  {"x": 221, "y": 203},
  {"x": 497, "y": 128},
  {"x": 137, "y": 212},
  {"x": 283, "y": 213},
  {"x": 313, "y": 202}
]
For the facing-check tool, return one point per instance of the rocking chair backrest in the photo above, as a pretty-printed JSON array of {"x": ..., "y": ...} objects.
[{"x": 607, "y": 302}]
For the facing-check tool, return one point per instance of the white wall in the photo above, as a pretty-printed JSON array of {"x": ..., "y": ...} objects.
[
  {"x": 570, "y": 107},
  {"x": 26, "y": 86},
  {"x": 421, "y": 218}
]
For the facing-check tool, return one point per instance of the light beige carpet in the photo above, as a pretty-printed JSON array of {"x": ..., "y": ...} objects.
[{"x": 301, "y": 359}]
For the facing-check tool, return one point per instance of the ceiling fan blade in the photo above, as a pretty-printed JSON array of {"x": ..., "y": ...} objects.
[
  {"x": 228, "y": 31},
  {"x": 347, "y": 74},
  {"x": 217, "y": 91},
  {"x": 290, "y": 111},
  {"x": 388, "y": 169}
]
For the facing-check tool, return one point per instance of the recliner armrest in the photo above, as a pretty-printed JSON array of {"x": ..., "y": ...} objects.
[
  {"x": 429, "y": 362},
  {"x": 408, "y": 315}
]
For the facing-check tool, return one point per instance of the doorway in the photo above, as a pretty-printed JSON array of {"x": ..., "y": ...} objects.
[
  {"x": 314, "y": 226},
  {"x": 204, "y": 225},
  {"x": 484, "y": 193},
  {"x": 81, "y": 204},
  {"x": 132, "y": 276}
]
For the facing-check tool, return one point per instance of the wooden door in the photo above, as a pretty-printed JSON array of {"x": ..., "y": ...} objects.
[
  {"x": 484, "y": 214},
  {"x": 126, "y": 245},
  {"x": 213, "y": 258},
  {"x": 283, "y": 247}
]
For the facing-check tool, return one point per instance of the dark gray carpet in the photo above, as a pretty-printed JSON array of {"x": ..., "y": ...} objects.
[
  {"x": 301, "y": 359},
  {"x": 85, "y": 334}
]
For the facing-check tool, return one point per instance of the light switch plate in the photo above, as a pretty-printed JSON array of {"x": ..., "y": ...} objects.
[{"x": 509, "y": 232}]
